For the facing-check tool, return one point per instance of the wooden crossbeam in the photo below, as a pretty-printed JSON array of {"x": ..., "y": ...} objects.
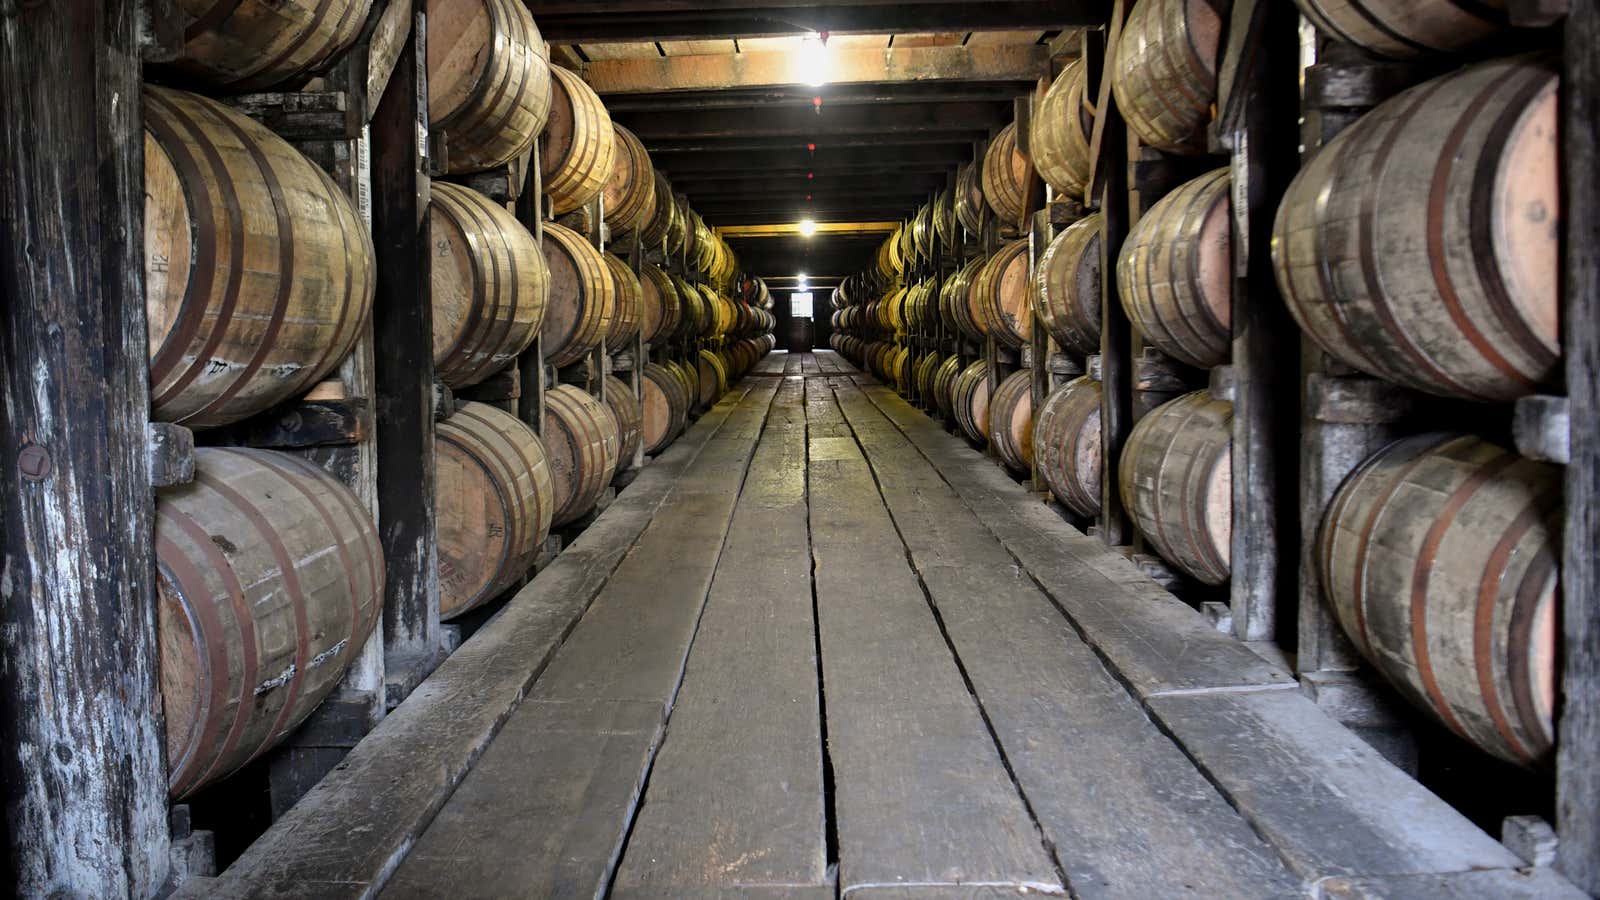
[
  {"x": 792, "y": 229},
  {"x": 609, "y": 21},
  {"x": 1006, "y": 62},
  {"x": 948, "y": 120}
]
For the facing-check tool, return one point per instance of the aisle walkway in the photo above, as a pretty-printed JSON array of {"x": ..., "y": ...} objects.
[{"x": 847, "y": 656}]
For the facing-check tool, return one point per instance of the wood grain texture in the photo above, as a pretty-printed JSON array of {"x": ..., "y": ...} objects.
[
  {"x": 489, "y": 81},
  {"x": 582, "y": 296},
  {"x": 583, "y": 445},
  {"x": 1005, "y": 175},
  {"x": 1062, "y": 127},
  {"x": 1066, "y": 445},
  {"x": 1164, "y": 72},
  {"x": 630, "y": 192},
  {"x": 1402, "y": 29},
  {"x": 1066, "y": 287},
  {"x": 578, "y": 147},
  {"x": 1176, "y": 481},
  {"x": 253, "y": 44}
]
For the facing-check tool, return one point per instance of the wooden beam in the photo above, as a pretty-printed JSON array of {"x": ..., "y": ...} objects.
[
  {"x": 606, "y": 21},
  {"x": 81, "y": 751},
  {"x": 654, "y": 75},
  {"x": 952, "y": 120},
  {"x": 793, "y": 228}
]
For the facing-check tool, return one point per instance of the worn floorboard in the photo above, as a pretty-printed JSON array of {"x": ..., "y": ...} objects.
[
  {"x": 735, "y": 801},
  {"x": 548, "y": 805},
  {"x": 921, "y": 793}
]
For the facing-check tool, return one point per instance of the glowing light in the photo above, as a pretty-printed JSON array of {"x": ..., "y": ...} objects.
[
  {"x": 811, "y": 62},
  {"x": 807, "y": 229}
]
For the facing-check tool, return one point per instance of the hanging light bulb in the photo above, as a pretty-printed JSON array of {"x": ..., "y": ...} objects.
[
  {"x": 811, "y": 60},
  {"x": 808, "y": 227}
]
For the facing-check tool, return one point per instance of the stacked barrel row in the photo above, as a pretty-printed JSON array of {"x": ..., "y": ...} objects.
[{"x": 260, "y": 281}]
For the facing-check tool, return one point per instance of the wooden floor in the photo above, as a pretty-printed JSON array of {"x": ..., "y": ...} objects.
[{"x": 838, "y": 653}]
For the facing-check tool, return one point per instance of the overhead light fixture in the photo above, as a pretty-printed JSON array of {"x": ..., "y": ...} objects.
[
  {"x": 808, "y": 227},
  {"x": 811, "y": 60}
]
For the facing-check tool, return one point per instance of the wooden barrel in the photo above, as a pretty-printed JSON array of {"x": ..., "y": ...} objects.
[
  {"x": 578, "y": 148},
  {"x": 1066, "y": 287},
  {"x": 944, "y": 219},
  {"x": 922, "y": 375},
  {"x": 630, "y": 193},
  {"x": 1165, "y": 76},
  {"x": 692, "y": 309},
  {"x": 490, "y": 285},
  {"x": 1062, "y": 128},
  {"x": 1422, "y": 244},
  {"x": 1005, "y": 177},
  {"x": 665, "y": 408},
  {"x": 944, "y": 380},
  {"x": 582, "y": 444},
  {"x": 1000, "y": 303},
  {"x": 269, "y": 580},
  {"x": 258, "y": 271},
  {"x": 689, "y": 376},
  {"x": 1011, "y": 421},
  {"x": 246, "y": 45},
  {"x": 1401, "y": 29},
  {"x": 629, "y": 416},
  {"x": 661, "y": 308},
  {"x": 1066, "y": 445},
  {"x": 1439, "y": 557},
  {"x": 969, "y": 199},
  {"x": 1176, "y": 481},
  {"x": 655, "y": 227},
  {"x": 969, "y": 400},
  {"x": 713, "y": 378},
  {"x": 625, "y": 311},
  {"x": 489, "y": 82},
  {"x": 495, "y": 500},
  {"x": 1175, "y": 273},
  {"x": 582, "y": 296}
]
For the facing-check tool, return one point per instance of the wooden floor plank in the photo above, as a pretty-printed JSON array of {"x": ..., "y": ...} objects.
[
  {"x": 624, "y": 660},
  {"x": 347, "y": 834},
  {"x": 1489, "y": 884},
  {"x": 792, "y": 364},
  {"x": 735, "y": 799},
  {"x": 1129, "y": 815},
  {"x": 1157, "y": 643},
  {"x": 921, "y": 793},
  {"x": 771, "y": 364}
]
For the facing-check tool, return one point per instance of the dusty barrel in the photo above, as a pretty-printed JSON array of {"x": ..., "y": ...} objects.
[
  {"x": 969, "y": 198},
  {"x": 582, "y": 445},
  {"x": 1439, "y": 557},
  {"x": 969, "y": 400},
  {"x": 944, "y": 218},
  {"x": 258, "y": 271},
  {"x": 578, "y": 147},
  {"x": 1175, "y": 273},
  {"x": 247, "y": 45},
  {"x": 944, "y": 379},
  {"x": 495, "y": 502},
  {"x": 924, "y": 370},
  {"x": 1000, "y": 302},
  {"x": 955, "y": 302},
  {"x": 582, "y": 296},
  {"x": 1062, "y": 126},
  {"x": 629, "y": 416},
  {"x": 1066, "y": 445},
  {"x": 661, "y": 307},
  {"x": 625, "y": 311},
  {"x": 665, "y": 410},
  {"x": 269, "y": 580},
  {"x": 1176, "y": 481},
  {"x": 689, "y": 377},
  {"x": 630, "y": 192},
  {"x": 713, "y": 377},
  {"x": 1005, "y": 176},
  {"x": 1422, "y": 244},
  {"x": 1401, "y": 29},
  {"x": 488, "y": 81},
  {"x": 1066, "y": 287},
  {"x": 490, "y": 285},
  {"x": 1165, "y": 76},
  {"x": 692, "y": 310},
  {"x": 1011, "y": 420}
]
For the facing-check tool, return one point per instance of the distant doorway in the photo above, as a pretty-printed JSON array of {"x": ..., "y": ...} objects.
[{"x": 800, "y": 335}]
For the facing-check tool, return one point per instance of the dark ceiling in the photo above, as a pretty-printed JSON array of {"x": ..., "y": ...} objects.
[{"x": 767, "y": 153}]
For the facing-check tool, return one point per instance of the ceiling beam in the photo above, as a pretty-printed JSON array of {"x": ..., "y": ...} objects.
[
  {"x": 796, "y": 158},
  {"x": 900, "y": 120},
  {"x": 832, "y": 96},
  {"x": 840, "y": 65},
  {"x": 611, "y": 22},
  {"x": 792, "y": 230}
]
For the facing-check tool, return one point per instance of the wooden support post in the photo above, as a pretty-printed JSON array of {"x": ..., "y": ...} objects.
[
  {"x": 403, "y": 335},
  {"x": 1578, "y": 757},
  {"x": 80, "y": 741},
  {"x": 641, "y": 350},
  {"x": 530, "y": 212},
  {"x": 1116, "y": 332}
]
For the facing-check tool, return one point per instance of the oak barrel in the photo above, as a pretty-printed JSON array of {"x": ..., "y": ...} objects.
[
  {"x": 1005, "y": 176},
  {"x": 582, "y": 444},
  {"x": 246, "y": 45},
  {"x": 1062, "y": 127},
  {"x": 1067, "y": 287},
  {"x": 1165, "y": 75},
  {"x": 269, "y": 580},
  {"x": 713, "y": 378},
  {"x": 1401, "y": 29},
  {"x": 944, "y": 379},
  {"x": 969, "y": 400},
  {"x": 665, "y": 408},
  {"x": 625, "y": 311},
  {"x": 495, "y": 502},
  {"x": 1066, "y": 445},
  {"x": 1439, "y": 557},
  {"x": 582, "y": 296},
  {"x": 1011, "y": 420},
  {"x": 490, "y": 285},
  {"x": 489, "y": 82},
  {"x": 630, "y": 192},
  {"x": 258, "y": 270},
  {"x": 969, "y": 199},
  {"x": 1422, "y": 244},
  {"x": 1000, "y": 302},
  {"x": 579, "y": 145},
  {"x": 629, "y": 416},
  {"x": 661, "y": 307},
  {"x": 1175, "y": 273},
  {"x": 955, "y": 301},
  {"x": 1176, "y": 481}
]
